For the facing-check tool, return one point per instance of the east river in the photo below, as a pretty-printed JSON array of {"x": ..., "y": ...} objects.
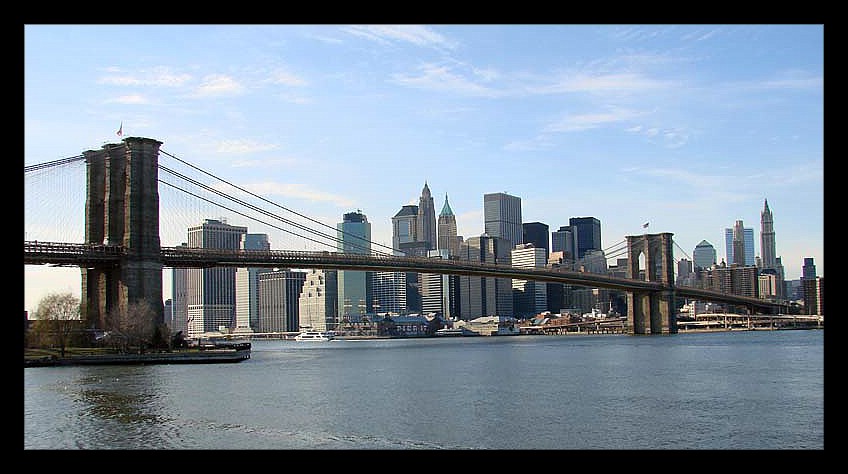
[{"x": 738, "y": 390}]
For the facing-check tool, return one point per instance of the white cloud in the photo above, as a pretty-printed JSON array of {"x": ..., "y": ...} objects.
[
  {"x": 218, "y": 85},
  {"x": 441, "y": 78},
  {"x": 156, "y": 77},
  {"x": 580, "y": 122},
  {"x": 386, "y": 34},
  {"x": 131, "y": 99}
]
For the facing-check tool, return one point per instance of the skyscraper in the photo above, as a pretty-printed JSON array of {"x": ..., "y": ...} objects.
[
  {"x": 247, "y": 285},
  {"x": 318, "y": 300},
  {"x": 529, "y": 297},
  {"x": 746, "y": 236},
  {"x": 502, "y": 214},
  {"x": 354, "y": 287},
  {"x": 809, "y": 270},
  {"x": 427, "y": 219},
  {"x": 537, "y": 234},
  {"x": 448, "y": 239},
  {"x": 767, "y": 244},
  {"x": 485, "y": 296},
  {"x": 279, "y": 300},
  {"x": 211, "y": 292},
  {"x": 587, "y": 234},
  {"x": 704, "y": 255},
  {"x": 562, "y": 240}
]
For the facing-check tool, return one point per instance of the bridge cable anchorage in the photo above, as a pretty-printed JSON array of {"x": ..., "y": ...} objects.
[{"x": 278, "y": 205}]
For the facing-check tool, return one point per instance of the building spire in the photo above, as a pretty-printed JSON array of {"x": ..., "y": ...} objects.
[{"x": 446, "y": 209}]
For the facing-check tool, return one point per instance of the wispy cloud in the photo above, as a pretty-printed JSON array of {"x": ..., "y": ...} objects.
[
  {"x": 155, "y": 77},
  {"x": 618, "y": 82},
  {"x": 580, "y": 122},
  {"x": 442, "y": 78},
  {"x": 298, "y": 191},
  {"x": 387, "y": 34},
  {"x": 218, "y": 85},
  {"x": 130, "y": 99},
  {"x": 264, "y": 163}
]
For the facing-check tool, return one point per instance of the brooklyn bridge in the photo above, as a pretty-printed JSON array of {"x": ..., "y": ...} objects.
[{"x": 121, "y": 259}]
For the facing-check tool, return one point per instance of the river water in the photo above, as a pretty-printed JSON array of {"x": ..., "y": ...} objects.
[{"x": 721, "y": 390}]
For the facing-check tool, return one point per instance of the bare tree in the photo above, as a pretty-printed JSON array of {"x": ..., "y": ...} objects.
[
  {"x": 133, "y": 327},
  {"x": 58, "y": 315}
]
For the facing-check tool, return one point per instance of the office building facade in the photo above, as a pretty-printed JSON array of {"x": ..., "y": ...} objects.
[
  {"x": 354, "y": 287},
  {"x": 704, "y": 255},
  {"x": 502, "y": 214},
  {"x": 485, "y": 296},
  {"x": 211, "y": 292},
  {"x": 279, "y": 300},
  {"x": 318, "y": 300},
  {"x": 586, "y": 232}
]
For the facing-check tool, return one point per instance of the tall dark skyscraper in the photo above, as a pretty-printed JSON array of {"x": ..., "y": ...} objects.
[
  {"x": 809, "y": 270},
  {"x": 587, "y": 234},
  {"x": 427, "y": 219},
  {"x": 537, "y": 233}
]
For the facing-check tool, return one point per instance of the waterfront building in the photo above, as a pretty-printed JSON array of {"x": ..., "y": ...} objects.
[
  {"x": 354, "y": 286},
  {"x": 389, "y": 289},
  {"x": 247, "y": 286},
  {"x": 734, "y": 279},
  {"x": 704, "y": 255},
  {"x": 318, "y": 300},
  {"x": 538, "y": 234},
  {"x": 436, "y": 289},
  {"x": 448, "y": 239},
  {"x": 211, "y": 292},
  {"x": 529, "y": 297},
  {"x": 179, "y": 301},
  {"x": 586, "y": 233},
  {"x": 485, "y": 296},
  {"x": 739, "y": 245},
  {"x": 813, "y": 295},
  {"x": 502, "y": 214},
  {"x": 279, "y": 300},
  {"x": 768, "y": 284}
]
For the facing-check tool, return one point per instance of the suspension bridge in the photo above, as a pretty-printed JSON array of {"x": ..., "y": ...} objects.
[{"x": 109, "y": 225}]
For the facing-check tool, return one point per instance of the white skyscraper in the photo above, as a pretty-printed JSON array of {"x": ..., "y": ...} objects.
[{"x": 211, "y": 292}]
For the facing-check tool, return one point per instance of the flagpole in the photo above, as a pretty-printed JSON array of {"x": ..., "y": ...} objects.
[{"x": 120, "y": 132}]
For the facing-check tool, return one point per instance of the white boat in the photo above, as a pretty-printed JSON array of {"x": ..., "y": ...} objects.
[
  {"x": 461, "y": 331},
  {"x": 313, "y": 335}
]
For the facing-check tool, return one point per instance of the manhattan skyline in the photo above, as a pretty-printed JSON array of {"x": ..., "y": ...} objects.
[{"x": 686, "y": 127}]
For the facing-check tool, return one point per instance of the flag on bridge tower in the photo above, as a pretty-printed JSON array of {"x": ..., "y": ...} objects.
[{"x": 120, "y": 131}]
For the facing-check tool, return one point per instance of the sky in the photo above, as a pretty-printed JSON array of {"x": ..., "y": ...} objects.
[{"x": 687, "y": 128}]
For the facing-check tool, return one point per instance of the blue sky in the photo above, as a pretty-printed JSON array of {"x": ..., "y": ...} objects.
[{"x": 687, "y": 127}]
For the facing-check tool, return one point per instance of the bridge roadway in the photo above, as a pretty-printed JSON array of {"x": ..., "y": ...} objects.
[{"x": 86, "y": 254}]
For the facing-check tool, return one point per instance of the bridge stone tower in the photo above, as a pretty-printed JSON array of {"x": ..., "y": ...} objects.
[
  {"x": 122, "y": 208},
  {"x": 651, "y": 312}
]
